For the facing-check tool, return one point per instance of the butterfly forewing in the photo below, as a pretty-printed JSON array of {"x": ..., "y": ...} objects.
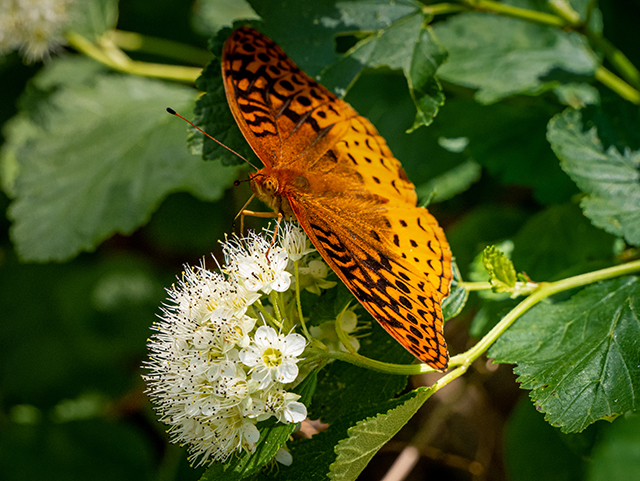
[
  {"x": 284, "y": 115},
  {"x": 349, "y": 193}
]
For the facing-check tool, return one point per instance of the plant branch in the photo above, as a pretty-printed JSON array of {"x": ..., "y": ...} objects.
[
  {"x": 534, "y": 16},
  {"x": 136, "y": 42},
  {"x": 544, "y": 290},
  {"x": 299, "y": 303},
  {"x": 114, "y": 58},
  {"x": 619, "y": 86}
]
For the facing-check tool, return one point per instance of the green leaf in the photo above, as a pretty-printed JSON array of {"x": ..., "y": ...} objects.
[
  {"x": 106, "y": 157},
  {"x": 502, "y": 274},
  {"x": 610, "y": 176},
  {"x": 212, "y": 114},
  {"x": 395, "y": 35},
  {"x": 369, "y": 435},
  {"x": 554, "y": 460},
  {"x": 92, "y": 18},
  {"x": 451, "y": 183},
  {"x": 499, "y": 134},
  {"x": 579, "y": 357},
  {"x": 457, "y": 298},
  {"x": 406, "y": 45},
  {"x": 560, "y": 241},
  {"x": 272, "y": 437},
  {"x": 617, "y": 455},
  {"x": 307, "y": 31},
  {"x": 501, "y": 56}
]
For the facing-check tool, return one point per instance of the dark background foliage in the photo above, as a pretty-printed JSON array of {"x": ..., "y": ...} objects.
[{"x": 74, "y": 330}]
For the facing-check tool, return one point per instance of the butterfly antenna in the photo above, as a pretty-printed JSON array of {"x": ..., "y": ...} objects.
[{"x": 173, "y": 112}]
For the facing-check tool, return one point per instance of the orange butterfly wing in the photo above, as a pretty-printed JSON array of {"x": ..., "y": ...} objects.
[{"x": 330, "y": 168}]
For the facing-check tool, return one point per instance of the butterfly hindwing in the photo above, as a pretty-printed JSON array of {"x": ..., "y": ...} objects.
[{"x": 402, "y": 291}]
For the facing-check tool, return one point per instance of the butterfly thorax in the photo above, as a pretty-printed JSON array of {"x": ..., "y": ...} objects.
[{"x": 271, "y": 186}]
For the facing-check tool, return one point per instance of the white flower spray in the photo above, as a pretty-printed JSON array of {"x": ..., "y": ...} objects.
[
  {"x": 35, "y": 27},
  {"x": 216, "y": 369}
]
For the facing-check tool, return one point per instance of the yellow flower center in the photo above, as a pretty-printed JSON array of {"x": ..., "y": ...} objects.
[{"x": 272, "y": 357}]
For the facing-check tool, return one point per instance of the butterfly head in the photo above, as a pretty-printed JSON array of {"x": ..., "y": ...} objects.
[{"x": 268, "y": 189}]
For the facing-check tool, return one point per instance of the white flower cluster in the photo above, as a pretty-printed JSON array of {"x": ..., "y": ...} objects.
[
  {"x": 34, "y": 26},
  {"x": 213, "y": 375}
]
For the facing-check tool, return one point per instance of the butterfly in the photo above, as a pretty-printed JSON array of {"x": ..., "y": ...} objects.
[{"x": 328, "y": 167}]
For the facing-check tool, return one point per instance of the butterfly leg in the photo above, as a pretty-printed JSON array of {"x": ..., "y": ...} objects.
[
  {"x": 251, "y": 213},
  {"x": 275, "y": 234}
]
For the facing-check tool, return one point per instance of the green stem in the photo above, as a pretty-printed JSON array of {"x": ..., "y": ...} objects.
[
  {"x": 475, "y": 286},
  {"x": 136, "y": 42},
  {"x": 443, "y": 8},
  {"x": 618, "y": 59},
  {"x": 299, "y": 303},
  {"x": 544, "y": 290},
  {"x": 541, "y": 18},
  {"x": 372, "y": 364},
  {"x": 122, "y": 63},
  {"x": 342, "y": 336},
  {"x": 619, "y": 86},
  {"x": 273, "y": 297},
  {"x": 267, "y": 316}
]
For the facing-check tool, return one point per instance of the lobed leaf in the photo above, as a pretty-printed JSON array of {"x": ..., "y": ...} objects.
[
  {"x": 579, "y": 357},
  {"x": 367, "y": 437},
  {"x": 610, "y": 176},
  {"x": 501, "y": 56},
  {"x": 391, "y": 34},
  {"x": 102, "y": 158},
  {"x": 502, "y": 274},
  {"x": 560, "y": 240}
]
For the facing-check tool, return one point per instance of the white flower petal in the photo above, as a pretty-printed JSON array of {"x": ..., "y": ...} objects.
[
  {"x": 284, "y": 457},
  {"x": 250, "y": 432},
  {"x": 287, "y": 372},
  {"x": 294, "y": 344},
  {"x": 295, "y": 412}
]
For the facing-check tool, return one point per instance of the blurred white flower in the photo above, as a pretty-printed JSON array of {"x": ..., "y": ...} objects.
[
  {"x": 35, "y": 27},
  {"x": 295, "y": 241},
  {"x": 285, "y": 406},
  {"x": 313, "y": 276},
  {"x": 326, "y": 332}
]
